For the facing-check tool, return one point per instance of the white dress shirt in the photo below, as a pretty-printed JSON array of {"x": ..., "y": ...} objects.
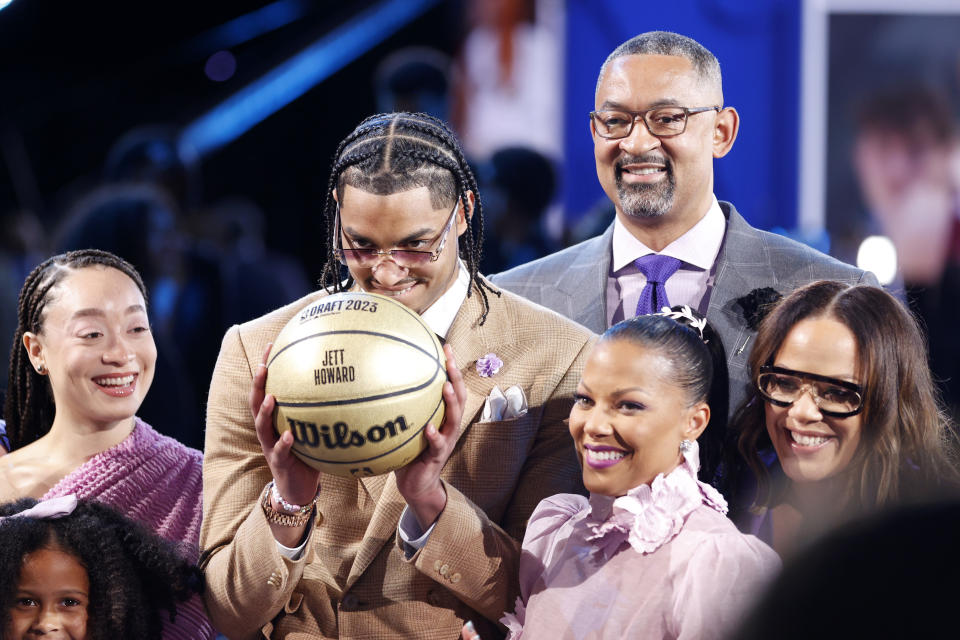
[{"x": 697, "y": 250}]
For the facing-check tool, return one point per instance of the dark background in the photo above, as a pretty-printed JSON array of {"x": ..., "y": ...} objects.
[{"x": 77, "y": 76}]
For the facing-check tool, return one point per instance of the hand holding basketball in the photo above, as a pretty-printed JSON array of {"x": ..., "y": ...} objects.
[
  {"x": 419, "y": 482},
  {"x": 296, "y": 481}
]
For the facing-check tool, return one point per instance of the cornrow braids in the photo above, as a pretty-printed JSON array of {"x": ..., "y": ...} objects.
[
  {"x": 392, "y": 152},
  {"x": 29, "y": 408},
  {"x": 136, "y": 577}
]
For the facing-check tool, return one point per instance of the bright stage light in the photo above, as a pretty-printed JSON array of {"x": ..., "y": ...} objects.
[
  {"x": 293, "y": 77},
  {"x": 4, "y": 3},
  {"x": 878, "y": 254}
]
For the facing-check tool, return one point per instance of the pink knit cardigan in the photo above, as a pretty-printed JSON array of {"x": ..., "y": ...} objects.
[{"x": 158, "y": 481}]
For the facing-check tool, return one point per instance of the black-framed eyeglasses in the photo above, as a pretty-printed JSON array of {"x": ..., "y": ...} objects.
[
  {"x": 834, "y": 397},
  {"x": 364, "y": 257},
  {"x": 663, "y": 122}
]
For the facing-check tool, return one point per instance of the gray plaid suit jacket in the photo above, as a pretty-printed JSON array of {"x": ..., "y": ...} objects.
[{"x": 573, "y": 282}]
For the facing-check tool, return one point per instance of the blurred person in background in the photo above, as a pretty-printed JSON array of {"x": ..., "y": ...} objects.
[
  {"x": 414, "y": 79},
  {"x": 907, "y": 160},
  {"x": 151, "y": 154},
  {"x": 255, "y": 278},
  {"x": 886, "y": 576},
  {"x": 509, "y": 78},
  {"x": 518, "y": 185}
]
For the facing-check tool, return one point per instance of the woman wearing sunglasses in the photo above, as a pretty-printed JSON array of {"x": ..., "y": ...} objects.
[{"x": 844, "y": 395}]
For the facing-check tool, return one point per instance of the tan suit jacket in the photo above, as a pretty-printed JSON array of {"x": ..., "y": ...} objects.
[{"x": 354, "y": 580}]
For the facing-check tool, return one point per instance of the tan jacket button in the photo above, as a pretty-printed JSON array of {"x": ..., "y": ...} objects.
[
  {"x": 436, "y": 565},
  {"x": 444, "y": 569},
  {"x": 455, "y": 578}
]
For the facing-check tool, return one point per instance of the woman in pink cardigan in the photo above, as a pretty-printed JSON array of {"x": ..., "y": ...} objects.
[{"x": 82, "y": 362}]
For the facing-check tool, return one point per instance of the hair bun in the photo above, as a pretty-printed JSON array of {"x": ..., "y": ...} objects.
[{"x": 686, "y": 316}]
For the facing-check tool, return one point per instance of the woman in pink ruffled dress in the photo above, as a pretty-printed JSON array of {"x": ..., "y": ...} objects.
[
  {"x": 651, "y": 553},
  {"x": 82, "y": 361}
]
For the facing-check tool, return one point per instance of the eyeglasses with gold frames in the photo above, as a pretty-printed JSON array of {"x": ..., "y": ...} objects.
[{"x": 365, "y": 257}]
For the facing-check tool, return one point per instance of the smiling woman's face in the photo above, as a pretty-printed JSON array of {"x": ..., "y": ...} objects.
[
  {"x": 629, "y": 417},
  {"x": 812, "y": 446},
  {"x": 95, "y": 347}
]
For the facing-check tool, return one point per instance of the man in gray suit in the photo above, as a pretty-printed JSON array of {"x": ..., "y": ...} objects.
[{"x": 658, "y": 125}]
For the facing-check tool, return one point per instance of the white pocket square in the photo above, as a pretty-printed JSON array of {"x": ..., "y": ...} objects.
[{"x": 501, "y": 405}]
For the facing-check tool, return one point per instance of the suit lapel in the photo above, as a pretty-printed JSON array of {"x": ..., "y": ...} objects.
[
  {"x": 587, "y": 275},
  {"x": 470, "y": 342},
  {"x": 739, "y": 265},
  {"x": 744, "y": 264}
]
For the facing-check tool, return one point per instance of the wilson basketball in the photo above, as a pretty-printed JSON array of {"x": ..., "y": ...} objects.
[{"x": 356, "y": 377}]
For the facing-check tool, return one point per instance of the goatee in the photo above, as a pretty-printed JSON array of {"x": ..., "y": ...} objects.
[{"x": 645, "y": 200}]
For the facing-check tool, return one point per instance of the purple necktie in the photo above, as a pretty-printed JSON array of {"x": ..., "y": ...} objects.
[{"x": 657, "y": 268}]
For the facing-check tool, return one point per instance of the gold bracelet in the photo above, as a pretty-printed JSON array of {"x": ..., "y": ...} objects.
[{"x": 282, "y": 519}]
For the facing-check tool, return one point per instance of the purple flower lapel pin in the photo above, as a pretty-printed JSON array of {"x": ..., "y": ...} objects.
[{"x": 488, "y": 365}]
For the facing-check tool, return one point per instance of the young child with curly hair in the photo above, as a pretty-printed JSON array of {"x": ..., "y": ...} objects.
[{"x": 81, "y": 570}]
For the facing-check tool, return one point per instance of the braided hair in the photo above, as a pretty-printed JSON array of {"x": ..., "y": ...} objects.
[
  {"x": 133, "y": 572},
  {"x": 392, "y": 152},
  {"x": 29, "y": 408}
]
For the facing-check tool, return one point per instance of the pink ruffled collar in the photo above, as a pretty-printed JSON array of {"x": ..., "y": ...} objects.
[{"x": 649, "y": 516}]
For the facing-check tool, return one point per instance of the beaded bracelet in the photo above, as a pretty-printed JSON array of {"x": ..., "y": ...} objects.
[
  {"x": 291, "y": 509},
  {"x": 278, "y": 517}
]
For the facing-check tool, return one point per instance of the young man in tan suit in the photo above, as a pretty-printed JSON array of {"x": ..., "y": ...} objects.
[{"x": 416, "y": 552}]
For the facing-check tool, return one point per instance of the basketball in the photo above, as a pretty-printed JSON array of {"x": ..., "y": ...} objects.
[{"x": 357, "y": 377}]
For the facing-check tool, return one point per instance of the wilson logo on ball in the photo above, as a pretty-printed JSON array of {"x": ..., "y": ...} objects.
[{"x": 356, "y": 377}]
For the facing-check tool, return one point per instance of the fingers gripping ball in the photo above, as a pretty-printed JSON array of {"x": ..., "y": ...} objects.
[{"x": 356, "y": 377}]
